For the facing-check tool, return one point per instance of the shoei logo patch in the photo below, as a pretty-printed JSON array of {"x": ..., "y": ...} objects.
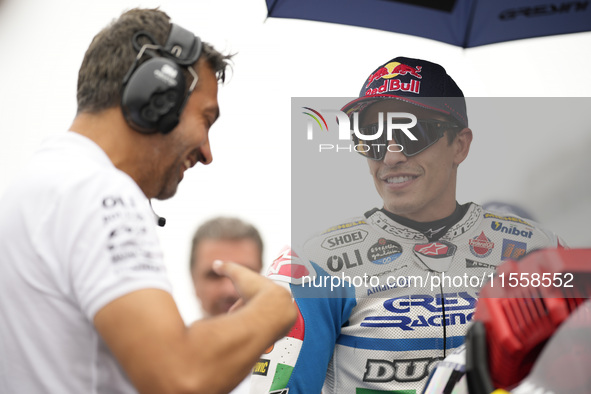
[{"x": 341, "y": 240}]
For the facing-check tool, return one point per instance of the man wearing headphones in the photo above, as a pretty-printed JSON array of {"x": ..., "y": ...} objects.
[{"x": 85, "y": 303}]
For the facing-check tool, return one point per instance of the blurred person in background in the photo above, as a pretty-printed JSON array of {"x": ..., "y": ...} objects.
[{"x": 226, "y": 239}]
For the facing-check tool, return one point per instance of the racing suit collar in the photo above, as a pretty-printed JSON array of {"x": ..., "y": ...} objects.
[{"x": 432, "y": 230}]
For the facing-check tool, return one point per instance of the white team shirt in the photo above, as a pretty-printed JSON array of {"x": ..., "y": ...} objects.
[{"x": 75, "y": 234}]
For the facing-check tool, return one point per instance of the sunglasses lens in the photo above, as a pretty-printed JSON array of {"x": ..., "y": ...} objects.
[
  {"x": 374, "y": 149},
  {"x": 426, "y": 132}
]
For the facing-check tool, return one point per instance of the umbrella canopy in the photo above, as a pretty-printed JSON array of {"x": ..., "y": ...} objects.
[{"x": 465, "y": 23}]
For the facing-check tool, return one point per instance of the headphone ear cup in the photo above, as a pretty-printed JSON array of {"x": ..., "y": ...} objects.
[{"x": 153, "y": 96}]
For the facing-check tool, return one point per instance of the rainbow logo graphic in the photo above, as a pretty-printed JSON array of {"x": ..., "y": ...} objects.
[{"x": 314, "y": 116}]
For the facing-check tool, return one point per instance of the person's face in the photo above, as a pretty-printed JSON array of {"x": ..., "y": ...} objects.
[
  {"x": 188, "y": 143},
  {"x": 420, "y": 187},
  {"x": 217, "y": 293}
]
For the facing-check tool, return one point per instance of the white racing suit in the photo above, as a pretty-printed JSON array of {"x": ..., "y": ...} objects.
[{"x": 381, "y": 303}]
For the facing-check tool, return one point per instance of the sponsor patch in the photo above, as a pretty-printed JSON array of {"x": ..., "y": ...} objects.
[
  {"x": 341, "y": 240},
  {"x": 344, "y": 226},
  {"x": 261, "y": 367},
  {"x": 459, "y": 309},
  {"x": 282, "y": 391},
  {"x": 463, "y": 227},
  {"x": 338, "y": 262},
  {"x": 513, "y": 249},
  {"x": 383, "y": 371},
  {"x": 439, "y": 249},
  {"x": 288, "y": 267},
  {"x": 388, "y": 74},
  {"x": 384, "y": 251},
  {"x": 392, "y": 70},
  {"x": 280, "y": 379},
  {"x": 507, "y": 218},
  {"x": 481, "y": 246},
  {"x": 432, "y": 232},
  {"x": 382, "y": 221},
  {"x": 395, "y": 85},
  {"x": 130, "y": 245},
  {"x": 477, "y": 264},
  {"x": 510, "y": 229}
]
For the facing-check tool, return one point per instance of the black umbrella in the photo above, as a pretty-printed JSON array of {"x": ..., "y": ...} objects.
[{"x": 465, "y": 23}]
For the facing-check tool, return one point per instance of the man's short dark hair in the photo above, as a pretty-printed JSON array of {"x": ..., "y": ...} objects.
[{"x": 111, "y": 54}]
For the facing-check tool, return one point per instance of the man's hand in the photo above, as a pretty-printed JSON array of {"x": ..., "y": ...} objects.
[
  {"x": 145, "y": 332},
  {"x": 250, "y": 284}
]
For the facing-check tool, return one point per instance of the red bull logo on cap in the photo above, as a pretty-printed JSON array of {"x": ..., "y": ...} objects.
[
  {"x": 393, "y": 69},
  {"x": 394, "y": 85},
  {"x": 389, "y": 72}
]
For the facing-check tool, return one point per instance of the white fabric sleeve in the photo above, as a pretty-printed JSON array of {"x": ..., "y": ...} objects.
[{"x": 105, "y": 233}]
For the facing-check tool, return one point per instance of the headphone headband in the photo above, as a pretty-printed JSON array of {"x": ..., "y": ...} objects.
[{"x": 183, "y": 45}]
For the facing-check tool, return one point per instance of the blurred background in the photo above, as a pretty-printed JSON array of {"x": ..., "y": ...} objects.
[{"x": 42, "y": 44}]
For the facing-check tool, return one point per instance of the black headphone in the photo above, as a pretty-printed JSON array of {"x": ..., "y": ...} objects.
[{"x": 154, "y": 93}]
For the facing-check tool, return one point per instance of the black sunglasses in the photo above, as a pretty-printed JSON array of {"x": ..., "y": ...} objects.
[{"x": 427, "y": 132}]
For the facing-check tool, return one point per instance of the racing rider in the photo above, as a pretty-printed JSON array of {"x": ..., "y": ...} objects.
[{"x": 411, "y": 269}]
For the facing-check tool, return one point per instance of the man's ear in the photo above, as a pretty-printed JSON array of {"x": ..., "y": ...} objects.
[{"x": 462, "y": 145}]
